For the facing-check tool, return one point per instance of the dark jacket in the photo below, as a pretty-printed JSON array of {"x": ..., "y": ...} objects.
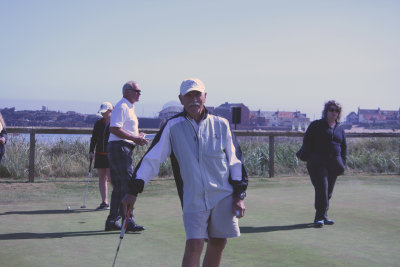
[
  {"x": 322, "y": 144},
  {"x": 3, "y": 133},
  {"x": 100, "y": 134}
]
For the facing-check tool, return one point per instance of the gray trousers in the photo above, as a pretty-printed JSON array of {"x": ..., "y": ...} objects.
[{"x": 121, "y": 169}]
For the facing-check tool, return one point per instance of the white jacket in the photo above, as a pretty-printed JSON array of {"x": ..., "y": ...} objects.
[{"x": 207, "y": 164}]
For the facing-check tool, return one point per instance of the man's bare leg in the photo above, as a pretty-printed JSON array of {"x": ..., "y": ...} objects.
[
  {"x": 193, "y": 250},
  {"x": 213, "y": 256}
]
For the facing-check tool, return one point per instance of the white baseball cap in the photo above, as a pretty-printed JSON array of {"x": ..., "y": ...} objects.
[
  {"x": 104, "y": 107},
  {"x": 192, "y": 84}
]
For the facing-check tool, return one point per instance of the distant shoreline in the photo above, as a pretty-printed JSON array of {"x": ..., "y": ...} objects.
[{"x": 356, "y": 129}]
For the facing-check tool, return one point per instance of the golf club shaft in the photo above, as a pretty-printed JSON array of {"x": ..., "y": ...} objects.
[
  {"x": 116, "y": 253},
  {"x": 121, "y": 236},
  {"x": 87, "y": 184}
]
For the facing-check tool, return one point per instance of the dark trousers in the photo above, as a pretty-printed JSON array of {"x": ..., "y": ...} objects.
[
  {"x": 323, "y": 177},
  {"x": 121, "y": 169},
  {"x": 2, "y": 151}
]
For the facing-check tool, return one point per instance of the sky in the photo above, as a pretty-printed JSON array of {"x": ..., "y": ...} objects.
[{"x": 285, "y": 55}]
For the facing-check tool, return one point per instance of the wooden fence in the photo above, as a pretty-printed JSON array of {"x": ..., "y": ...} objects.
[{"x": 32, "y": 131}]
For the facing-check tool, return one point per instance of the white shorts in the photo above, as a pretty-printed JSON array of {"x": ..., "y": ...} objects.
[{"x": 218, "y": 222}]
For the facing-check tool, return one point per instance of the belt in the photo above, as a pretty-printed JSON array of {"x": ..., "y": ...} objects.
[
  {"x": 101, "y": 153},
  {"x": 123, "y": 143},
  {"x": 131, "y": 146}
]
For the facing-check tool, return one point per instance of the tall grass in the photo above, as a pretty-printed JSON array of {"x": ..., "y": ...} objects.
[
  {"x": 16, "y": 159},
  {"x": 374, "y": 155},
  {"x": 52, "y": 158},
  {"x": 256, "y": 155},
  {"x": 69, "y": 158},
  {"x": 364, "y": 155}
]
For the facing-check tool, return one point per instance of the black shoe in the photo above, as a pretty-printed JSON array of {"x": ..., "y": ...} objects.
[
  {"x": 133, "y": 227},
  {"x": 319, "y": 224},
  {"x": 329, "y": 222},
  {"x": 112, "y": 225},
  {"x": 103, "y": 206}
]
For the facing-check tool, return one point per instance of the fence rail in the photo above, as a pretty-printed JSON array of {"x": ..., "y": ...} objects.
[{"x": 32, "y": 131}]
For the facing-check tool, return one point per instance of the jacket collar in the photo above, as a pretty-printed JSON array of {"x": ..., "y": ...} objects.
[
  {"x": 324, "y": 121},
  {"x": 206, "y": 112},
  {"x": 126, "y": 101}
]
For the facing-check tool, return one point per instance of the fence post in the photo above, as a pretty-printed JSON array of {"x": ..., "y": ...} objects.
[
  {"x": 271, "y": 156},
  {"x": 32, "y": 156}
]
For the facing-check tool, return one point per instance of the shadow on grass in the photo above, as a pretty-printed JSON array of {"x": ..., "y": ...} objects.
[
  {"x": 40, "y": 212},
  {"x": 15, "y": 236},
  {"x": 266, "y": 229}
]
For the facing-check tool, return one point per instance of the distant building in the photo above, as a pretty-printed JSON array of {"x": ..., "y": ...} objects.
[
  {"x": 377, "y": 116},
  {"x": 250, "y": 120},
  {"x": 293, "y": 119},
  {"x": 352, "y": 118},
  {"x": 257, "y": 119},
  {"x": 225, "y": 110},
  {"x": 168, "y": 112},
  {"x": 278, "y": 120}
]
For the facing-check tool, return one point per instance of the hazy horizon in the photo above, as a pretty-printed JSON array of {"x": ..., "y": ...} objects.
[{"x": 141, "y": 110}]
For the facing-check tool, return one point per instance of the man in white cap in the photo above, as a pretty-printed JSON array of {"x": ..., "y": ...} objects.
[
  {"x": 210, "y": 177},
  {"x": 124, "y": 136},
  {"x": 99, "y": 142}
]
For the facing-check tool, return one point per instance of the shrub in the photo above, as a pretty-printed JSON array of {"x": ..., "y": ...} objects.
[{"x": 69, "y": 157}]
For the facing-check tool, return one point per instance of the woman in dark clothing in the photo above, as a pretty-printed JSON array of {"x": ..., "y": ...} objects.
[
  {"x": 3, "y": 137},
  {"x": 98, "y": 142},
  {"x": 325, "y": 150}
]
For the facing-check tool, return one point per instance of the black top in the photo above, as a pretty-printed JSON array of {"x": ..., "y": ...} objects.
[
  {"x": 100, "y": 135},
  {"x": 320, "y": 140},
  {"x": 3, "y": 133}
]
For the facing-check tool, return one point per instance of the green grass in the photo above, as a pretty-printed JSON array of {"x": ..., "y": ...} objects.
[{"x": 36, "y": 230}]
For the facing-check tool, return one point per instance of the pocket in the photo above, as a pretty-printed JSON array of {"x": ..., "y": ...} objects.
[
  {"x": 301, "y": 155},
  {"x": 339, "y": 165}
]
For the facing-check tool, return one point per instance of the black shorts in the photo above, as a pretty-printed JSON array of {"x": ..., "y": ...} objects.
[{"x": 100, "y": 161}]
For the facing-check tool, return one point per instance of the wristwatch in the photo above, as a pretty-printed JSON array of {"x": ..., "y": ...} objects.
[{"x": 241, "y": 196}]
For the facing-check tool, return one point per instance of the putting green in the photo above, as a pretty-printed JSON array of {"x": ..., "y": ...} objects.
[{"x": 36, "y": 230}]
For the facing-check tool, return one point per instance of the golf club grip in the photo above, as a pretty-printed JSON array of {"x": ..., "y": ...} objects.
[
  {"x": 237, "y": 213},
  {"x": 123, "y": 228}
]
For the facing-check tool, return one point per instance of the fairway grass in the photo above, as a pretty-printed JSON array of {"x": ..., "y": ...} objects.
[{"x": 36, "y": 230}]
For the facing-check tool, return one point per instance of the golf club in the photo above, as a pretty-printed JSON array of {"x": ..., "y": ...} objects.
[
  {"x": 121, "y": 236},
  {"x": 87, "y": 184}
]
